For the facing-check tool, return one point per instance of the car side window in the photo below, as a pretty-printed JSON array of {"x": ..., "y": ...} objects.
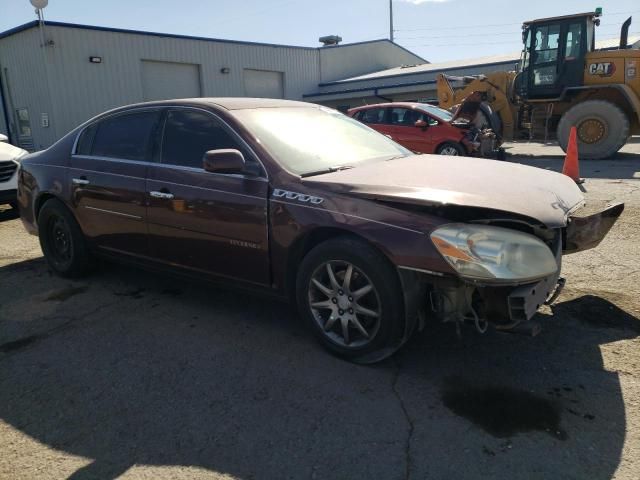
[
  {"x": 126, "y": 136},
  {"x": 406, "y": 117},
  {"x": 373, "y": 115},
  {"x": 189, "y": 134},
  {"x": 86, "y": 140},
  {"x": 430, "y": 120}
]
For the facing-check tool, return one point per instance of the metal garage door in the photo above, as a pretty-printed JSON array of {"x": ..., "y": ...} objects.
[
  {"x": 263, "y": 84},
  {"x": 163, "y": 80}
]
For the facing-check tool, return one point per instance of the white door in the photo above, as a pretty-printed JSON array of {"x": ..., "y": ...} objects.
[
  {"x": 166, "y": 80},
  {"x": 263, "y": 83}
]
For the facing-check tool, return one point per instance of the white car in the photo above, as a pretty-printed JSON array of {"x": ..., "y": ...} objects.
[{"x": 10, "y": 158}]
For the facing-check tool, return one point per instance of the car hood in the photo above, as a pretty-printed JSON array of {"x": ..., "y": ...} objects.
[
  {"x": 9, "y": 152},
  {"x": 438, "y": 180}
]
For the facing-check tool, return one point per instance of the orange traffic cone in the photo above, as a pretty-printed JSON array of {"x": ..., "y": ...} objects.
[{"x": 570, "y": 167}]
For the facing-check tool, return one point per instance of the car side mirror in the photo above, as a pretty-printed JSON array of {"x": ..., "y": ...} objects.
[
  {"x": 227, "y": 160},
  {"x": 3, "y": 138},
  {"x": 421, "y": 124}
]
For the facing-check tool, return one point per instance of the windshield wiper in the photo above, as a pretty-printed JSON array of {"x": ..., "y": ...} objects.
[{"x": 326, "y": 170}]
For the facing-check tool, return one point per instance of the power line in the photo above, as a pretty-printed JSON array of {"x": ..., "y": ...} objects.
[
  {"x": 458, "y": 27},
  {"x": 494, "y": 34},
  {"x": 610, "y": 37}
]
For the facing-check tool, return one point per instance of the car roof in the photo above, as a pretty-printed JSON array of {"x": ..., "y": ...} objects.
[
  {"x": 389, "y": 104},
  {"x": 228, "y": 103}
]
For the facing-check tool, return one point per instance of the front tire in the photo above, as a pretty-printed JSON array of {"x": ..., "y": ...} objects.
[
  {"x": 450, "y": 148},
  {"x": 351, "y": 297},
  {"x": 602, "y": 128},
  {"x": 62, "y": 241}
]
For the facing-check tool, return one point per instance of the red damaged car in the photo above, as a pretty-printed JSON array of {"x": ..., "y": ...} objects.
[{"x": 424, "y": 128}]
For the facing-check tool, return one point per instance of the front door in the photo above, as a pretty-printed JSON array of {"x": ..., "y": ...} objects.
[
  {"x": 107, "y": 179},
  {"x": 375, "y": 118},
  {"x": 404, "y": 131},
  {"x": 207, "y": 222},
  {"x": 557, "y": 52}
]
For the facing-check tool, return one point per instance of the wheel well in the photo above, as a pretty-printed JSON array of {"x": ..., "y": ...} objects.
[
  {"x": 40, "y": 201},
  {"x": 303, "y": 245},
  {"x": 611, "y": 95}
]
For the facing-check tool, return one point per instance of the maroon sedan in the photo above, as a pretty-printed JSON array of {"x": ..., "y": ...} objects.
[{"x": 369, "y": 240}]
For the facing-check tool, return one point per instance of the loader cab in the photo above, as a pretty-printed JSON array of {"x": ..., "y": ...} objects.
[{"x": 554, "y": 52}]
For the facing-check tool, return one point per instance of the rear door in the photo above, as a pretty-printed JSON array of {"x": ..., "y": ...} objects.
[
  {"x": 404, "y": 131},
  {"x": 107, "y": 177},
  {"x": 376, "y": 119},
  {"x": 207, "y": 222},
  {"x": 574, "y": 49}
]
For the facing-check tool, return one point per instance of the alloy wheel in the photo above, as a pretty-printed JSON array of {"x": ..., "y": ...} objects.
[
  {"x": 345, "y": 304},
  {"x": 449, "y": 151}
]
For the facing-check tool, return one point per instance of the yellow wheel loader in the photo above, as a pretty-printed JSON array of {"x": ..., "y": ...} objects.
[{"x": 562, "y": 81}]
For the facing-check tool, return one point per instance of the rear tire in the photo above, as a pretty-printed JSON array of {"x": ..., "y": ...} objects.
[
  {"x": 62, "y": 241},
  {"x": 450, "y": 148},
  {"x": 372, "y": 322},
  {"x": 603, "y": 128}
]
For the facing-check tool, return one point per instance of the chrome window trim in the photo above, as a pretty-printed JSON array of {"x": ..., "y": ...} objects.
[{"x": 235, "y": 134}]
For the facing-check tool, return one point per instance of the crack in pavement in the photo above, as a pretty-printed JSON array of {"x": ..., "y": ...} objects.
[
  {"x": 410, "y": 428},
  {"x": 8, "y": 349}
]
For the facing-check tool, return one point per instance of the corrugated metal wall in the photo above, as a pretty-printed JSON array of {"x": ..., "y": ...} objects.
[
  {"x": 83, "y": 89},
  {"x": 59, "y": 80},
  {"x": 80, "y": 89},
  {"x": 26, "y": 83}
]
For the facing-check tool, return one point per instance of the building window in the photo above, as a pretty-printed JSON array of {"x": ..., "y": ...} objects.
[{"x": 24, "y": 125}]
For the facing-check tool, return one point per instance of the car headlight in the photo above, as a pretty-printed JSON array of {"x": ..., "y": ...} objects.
[{"x": 493, "y": 253}]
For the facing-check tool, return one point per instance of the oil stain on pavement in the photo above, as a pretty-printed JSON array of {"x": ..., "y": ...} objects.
[
  {"x": 18, "y": 344},
  {"x": 65, "y": 293},
  {"x": 503, "y": 411}
]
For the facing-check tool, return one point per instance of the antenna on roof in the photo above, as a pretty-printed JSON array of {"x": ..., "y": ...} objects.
[
  {"x": 391, "y": 20},
  {"x": 39, "y": 6}
]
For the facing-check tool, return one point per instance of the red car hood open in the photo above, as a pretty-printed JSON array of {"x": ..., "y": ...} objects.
[{"x": 539, "y": 194}]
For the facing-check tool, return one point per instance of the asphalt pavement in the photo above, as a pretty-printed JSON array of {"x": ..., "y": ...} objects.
[{"x": 135, "y": 375}]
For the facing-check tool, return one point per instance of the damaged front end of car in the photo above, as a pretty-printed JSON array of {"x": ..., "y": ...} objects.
[{"x": 505, "y": 270}]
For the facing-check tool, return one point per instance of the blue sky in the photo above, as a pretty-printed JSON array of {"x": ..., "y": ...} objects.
[{"x": 438, "y": 30}]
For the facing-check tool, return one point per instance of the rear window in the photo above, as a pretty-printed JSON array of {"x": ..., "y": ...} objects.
[
  {"x": 86, "y": 139},
  {"x": 126, "y": 136}
]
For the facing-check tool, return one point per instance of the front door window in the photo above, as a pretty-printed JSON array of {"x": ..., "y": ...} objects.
[{"x": 545, "y": 55}]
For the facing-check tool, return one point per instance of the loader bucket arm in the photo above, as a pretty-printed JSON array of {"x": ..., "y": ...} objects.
[{"x": 495, "y": 87}]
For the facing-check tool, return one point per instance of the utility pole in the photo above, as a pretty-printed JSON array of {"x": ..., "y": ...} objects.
[{"x": 391, "y": 20}]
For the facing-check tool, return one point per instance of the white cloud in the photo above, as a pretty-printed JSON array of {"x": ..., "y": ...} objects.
[{"x": 418, "y": 2}]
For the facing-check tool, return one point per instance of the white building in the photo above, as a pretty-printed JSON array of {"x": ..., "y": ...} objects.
[{"x": 53, "y": 78}]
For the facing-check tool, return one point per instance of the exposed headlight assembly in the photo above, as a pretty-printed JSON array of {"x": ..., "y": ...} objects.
[{"x": 482, "y": 252}]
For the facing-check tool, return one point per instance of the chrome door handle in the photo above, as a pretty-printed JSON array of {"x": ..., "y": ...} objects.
[
  {"x": 80, "y": 181},
  {"x": 166, "y": 196}
]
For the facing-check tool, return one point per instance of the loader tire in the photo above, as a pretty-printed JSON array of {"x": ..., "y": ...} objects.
[{"x": 602, "y": 127}]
